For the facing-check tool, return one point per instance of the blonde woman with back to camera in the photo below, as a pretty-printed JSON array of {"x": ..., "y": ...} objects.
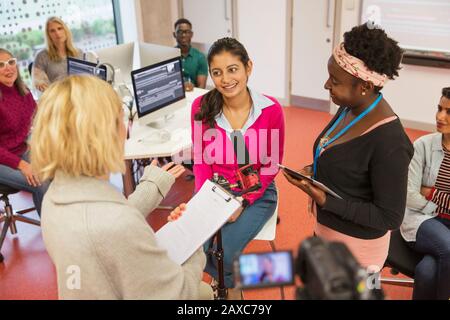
[{"x": 87, "y": 224}]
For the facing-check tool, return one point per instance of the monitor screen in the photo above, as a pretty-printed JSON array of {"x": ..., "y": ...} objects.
[
  {"x": 420, "y": 26},
  {"x": 121, "y": 58},
  {"x": 158, "y": 86},
  {"x": 76, "y": 66},
  {"x": 264, "y": 269}
]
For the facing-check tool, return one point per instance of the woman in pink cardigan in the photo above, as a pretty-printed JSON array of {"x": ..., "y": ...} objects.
[{"x": 234, "y": 117}]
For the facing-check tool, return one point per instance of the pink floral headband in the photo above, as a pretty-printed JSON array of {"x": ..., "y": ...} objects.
[{"x": 357, "y": 67}]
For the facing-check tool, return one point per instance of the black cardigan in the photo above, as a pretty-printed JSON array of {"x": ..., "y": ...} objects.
[{"x": 370, "y": 173}]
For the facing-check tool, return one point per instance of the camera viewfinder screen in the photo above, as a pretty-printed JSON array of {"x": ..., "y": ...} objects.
[{"x": 266, "y": 269}]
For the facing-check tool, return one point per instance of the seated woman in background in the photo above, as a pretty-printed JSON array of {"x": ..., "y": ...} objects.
[
  {"x": 87, "y": 222},
  {"x": 363, "y": 153},
  {"x": 50, "y": 64},
  {"x": 236, "y": 115},
  {"x": 427, "y": 219},
  {"x": 17, "y": 108}
]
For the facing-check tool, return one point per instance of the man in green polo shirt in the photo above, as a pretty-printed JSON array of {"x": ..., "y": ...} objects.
[{"x": 193, "y": 61}]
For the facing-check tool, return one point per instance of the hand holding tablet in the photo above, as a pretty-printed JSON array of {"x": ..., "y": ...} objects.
[
  {"x": 296, "y": 174},
  {"x": 299, "y": 176}
]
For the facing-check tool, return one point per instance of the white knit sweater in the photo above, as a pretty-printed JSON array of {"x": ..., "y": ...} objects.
[{"x": 103, "y": 247}]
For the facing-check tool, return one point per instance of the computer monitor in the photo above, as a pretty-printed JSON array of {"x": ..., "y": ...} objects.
[
  {"x": 133, "y": 56},
  {"x": 158, "y": 90},
  {"x": 77, "y": 66},
  {"x": 120, "y": 57},
  {"x": 150, "y": 54}
]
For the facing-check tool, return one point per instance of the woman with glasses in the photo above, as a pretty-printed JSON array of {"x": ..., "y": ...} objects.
[
  {"x": 50, "y": 64},
  {"x": 17, "y": 107}
]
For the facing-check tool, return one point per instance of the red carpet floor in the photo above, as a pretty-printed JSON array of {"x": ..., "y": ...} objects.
[{"x": 28, "y": 273}]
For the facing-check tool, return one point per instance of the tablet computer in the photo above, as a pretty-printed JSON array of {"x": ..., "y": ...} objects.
[
  {"x": 299, "y": 176},
  {"x": 295, "y": 174}
]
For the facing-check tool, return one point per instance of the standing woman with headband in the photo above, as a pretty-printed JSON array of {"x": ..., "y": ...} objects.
[
  {"x": 50, "y": 64},
  {"x": 363, "y": 153}
]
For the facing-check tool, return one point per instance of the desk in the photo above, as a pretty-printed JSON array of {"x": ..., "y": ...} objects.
[{"x": 179, "y": 127}]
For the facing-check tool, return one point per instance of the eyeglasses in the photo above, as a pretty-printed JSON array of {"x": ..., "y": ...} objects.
[
  {"x": 11, "y": 62},
  {"x": 184, "y": 32}
]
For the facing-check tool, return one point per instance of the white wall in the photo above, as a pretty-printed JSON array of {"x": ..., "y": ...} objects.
[
  {"x": 262, "y": 29},
  {"x": 131, "y": 21},
  {"x": 130, "y": 11},
  {"x": 415, "y": 94}
]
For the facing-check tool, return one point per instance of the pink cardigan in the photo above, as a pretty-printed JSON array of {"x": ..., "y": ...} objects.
[{"x": 264, "y": 140}]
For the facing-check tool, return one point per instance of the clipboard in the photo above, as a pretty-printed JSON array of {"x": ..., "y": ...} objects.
[
  {"x": 298, "y": 175},
  {"x": 205, "y": 214}
]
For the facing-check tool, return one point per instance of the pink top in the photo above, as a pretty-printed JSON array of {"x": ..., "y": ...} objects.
[
  {"x": 16, "y": 113},
  {"x": 370, "y": 254},
  {"x": 214, "y": 152}
]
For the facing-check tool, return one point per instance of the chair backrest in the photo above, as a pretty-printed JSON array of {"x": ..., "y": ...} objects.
[
  {"x": 401, "y": 256},
  {"x": 30, "y": 68},
  {"x": 268, "y": 232}
]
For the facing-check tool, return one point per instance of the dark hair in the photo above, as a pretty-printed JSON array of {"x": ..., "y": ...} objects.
[
  {"x": 19, "y": 84},
  {"x": 212, "y": 102},
  {"x": 181, "y": 21},
  {"x": 446, "y": 92},
  {"x": 373, "y": 46}
]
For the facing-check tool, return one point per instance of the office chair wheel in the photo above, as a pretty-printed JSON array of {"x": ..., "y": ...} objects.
[
  {"x": 1, "y": 258},
  {"x": 394, "y": 272}
]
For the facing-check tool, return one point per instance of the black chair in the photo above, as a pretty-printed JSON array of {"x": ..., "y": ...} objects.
[
  {"x": 401, "y": 259},
  {"x": 30, "y": 69},
  {"x": 9, "y": 217}
]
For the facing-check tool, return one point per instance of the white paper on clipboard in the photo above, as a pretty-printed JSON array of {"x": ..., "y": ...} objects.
[
  {"x": 205, "y": 214},
  {"x": 316, "y": 183}
]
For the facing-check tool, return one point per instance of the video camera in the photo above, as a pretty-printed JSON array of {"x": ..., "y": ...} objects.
[{"x": 328, "y": 271}]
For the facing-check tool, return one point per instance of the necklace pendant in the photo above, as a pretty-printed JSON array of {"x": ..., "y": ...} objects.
[{"x": 323, "y": 141}]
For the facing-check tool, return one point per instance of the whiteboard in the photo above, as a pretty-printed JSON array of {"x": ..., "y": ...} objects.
[{"x": 418, "y": 25}]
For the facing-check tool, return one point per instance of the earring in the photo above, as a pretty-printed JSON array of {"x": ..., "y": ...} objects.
[{"x": 363, "y": 93}]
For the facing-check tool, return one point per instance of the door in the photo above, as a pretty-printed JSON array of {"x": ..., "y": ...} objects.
[
  {"x": 312, "y": 44},
  {"x": 211, "y": 20}
]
